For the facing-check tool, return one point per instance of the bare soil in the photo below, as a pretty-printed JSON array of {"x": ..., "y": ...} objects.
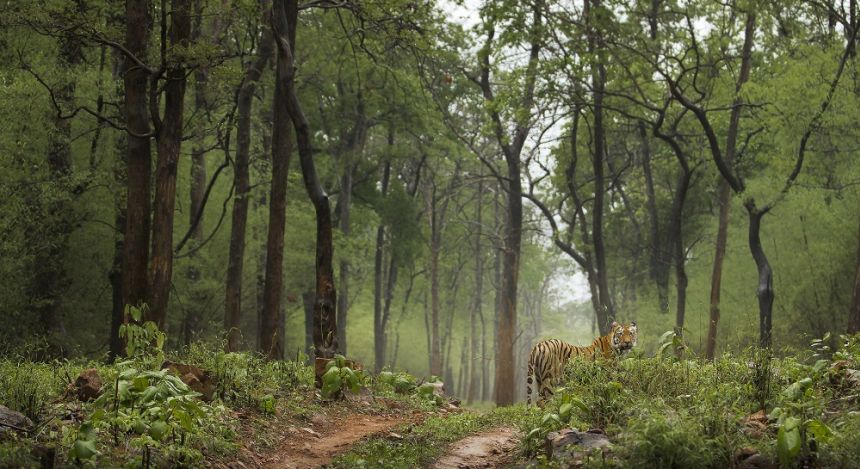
[
  {"x": 314, "y": 443},
  {"x": 494, "y": 448}
]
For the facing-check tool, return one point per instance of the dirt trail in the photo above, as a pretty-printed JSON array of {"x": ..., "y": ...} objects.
[
  {"x": 315, "y": 445},
  {"x": 488, "y": 449}
]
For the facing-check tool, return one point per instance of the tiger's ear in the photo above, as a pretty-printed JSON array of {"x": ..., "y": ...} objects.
[
  {"x": 632, "y": 323},
  {"x": 613, "y": 325}
]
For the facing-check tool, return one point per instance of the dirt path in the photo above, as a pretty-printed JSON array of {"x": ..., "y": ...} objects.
[
  {"x": 488, "y": 449},
  {"x": 315, "y": 445}
]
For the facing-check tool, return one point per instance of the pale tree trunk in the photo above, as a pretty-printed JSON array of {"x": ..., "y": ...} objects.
[
  {"x": 241, "y": 182},
  {"x": 344, "y": 202},
  {"x": 435, "y": 246},
  {"x": 477, "y": 309},
  {"x": 169, "y": 138}
]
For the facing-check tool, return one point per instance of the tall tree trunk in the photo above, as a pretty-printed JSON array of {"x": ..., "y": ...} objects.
[
  {"x": 477, "y": 308},
  {"x": 379, "y": 337},
  {"x": 241, "y": 182},
  {"x": 50, "y": 280},
  {"x": 598, "y": 81},
  {"x": 435, "y": 342},
  {"x": 854, "y": 309},
  {"x": 138, "y": 155},
  {"x": 717, "y": 273},
  {"x": 659, "y": 254},
  {"x": 764, "y": 292},
  {"x": 677, "y": 240},
  {"x": 344, "y": 224},
  {"x": 284, "y": 23},
  {"x": 271, "y": 337},
  {"x": 725, "y": 186},
  {"x": 169, "y": 138}
]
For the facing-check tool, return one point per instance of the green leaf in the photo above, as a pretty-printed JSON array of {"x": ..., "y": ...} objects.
[
  {"x": 564, "y": 412},
  {"x": 83, "y": 449},
  {"x": 158, "y": 429},
  {"x": 819, "y": 430},
  {"x": 787, "y": 445}
]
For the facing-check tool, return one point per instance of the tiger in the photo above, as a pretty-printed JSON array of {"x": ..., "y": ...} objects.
[{"x": 548, "y": 357}]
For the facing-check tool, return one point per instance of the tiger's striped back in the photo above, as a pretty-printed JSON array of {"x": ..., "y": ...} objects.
[{"x": 549, "y": 357}]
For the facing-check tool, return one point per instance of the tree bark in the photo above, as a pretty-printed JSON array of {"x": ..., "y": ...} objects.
[
  {"x": 765, "y": 291},
  {"x": 379, "y": 336},
  {"x": 854, "y": 309},
  {"x": 271, "y": 337},
  {"x": 169, "y": 138},
  {"x": 659, "y": 254},
  {"x": 717, "y": 272},
  {"x": 138, "y": 156},
  {"x": 325, "y": 320},
  {"x": 435, "y": 242},
  {"x": 598, "y": 81},
  {"x": 726, "y": 188},
  {"x": 477, "y": 308},
  {"x": 241, "y": 182},
  {"x": 344, "y": 202}
]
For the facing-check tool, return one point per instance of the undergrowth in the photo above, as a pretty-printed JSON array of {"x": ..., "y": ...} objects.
[{"x": 667, "y": 412}]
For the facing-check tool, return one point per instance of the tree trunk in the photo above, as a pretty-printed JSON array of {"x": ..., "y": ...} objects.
[
  {"x": 271, "y": 337},
  {"x": 477, "y": 309},
  {"x": 680, "y": 251},
  {"x": 717, "y": 273},
  {"x": 659, "y": 255},
  {"x": 854, "y": 309},
  {"x": 241, "y": 182},
  {"x": 379, "y": 337},
  {"x": 138, "y": 156},
  {"x": 115, "y": 345},
  {"x": 435, "y": 342},
  {"x": 169, "y": 138},
  {"x": 344, "y": 203},
  {"x": 284, "y": 23},
  {"x": 765, "y": 291},
  {"x": 598, "y": 80}
]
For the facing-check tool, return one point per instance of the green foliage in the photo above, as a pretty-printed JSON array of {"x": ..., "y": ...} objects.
[
  {"x": 143, "y": 340},
  {"x": 29, "y": 387},
  {"x": 339, "y": 377}
]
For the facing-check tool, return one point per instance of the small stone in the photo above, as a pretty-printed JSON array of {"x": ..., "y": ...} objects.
[
  {"x": 395, "y": 436},
  {"x": 88, "y": 385},
  {"x": 311, "y": 432},
  {"x": 319, "y": 419}
]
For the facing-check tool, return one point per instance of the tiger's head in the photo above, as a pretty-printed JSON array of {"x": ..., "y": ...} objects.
[{"x": 623, "y": 337}]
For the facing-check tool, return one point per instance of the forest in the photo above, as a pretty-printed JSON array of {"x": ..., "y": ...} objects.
[{"x": 337, "y": 233}]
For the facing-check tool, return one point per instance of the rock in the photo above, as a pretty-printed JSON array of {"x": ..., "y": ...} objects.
[
  {"x": 11, "y": 420},
  {"x": 88, "y": 385},
  {"x": 395, "y": 436},
  {"x": 572, "y": 444},
  {"x": 757, "y": 461},
  {"x": 318, "y": 419},
  {"x": 196, "y": 379}
]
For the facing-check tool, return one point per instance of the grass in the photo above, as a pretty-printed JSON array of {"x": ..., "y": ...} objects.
[
  {"x": 425, "y": 442},
  {"x": 665, "y": 412}
]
